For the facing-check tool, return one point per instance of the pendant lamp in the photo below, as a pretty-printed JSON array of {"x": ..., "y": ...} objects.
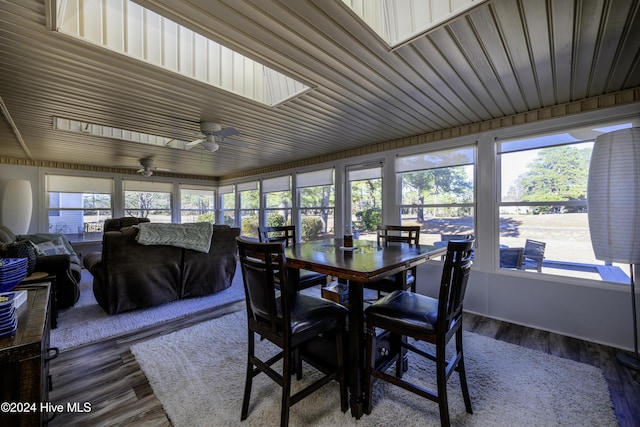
[
  {"x": 17, "y": 203},
  {"x": 613, "y": 193}
]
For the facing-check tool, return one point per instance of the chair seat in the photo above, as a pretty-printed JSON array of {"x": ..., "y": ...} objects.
[
  {"x": 408, "y": 311},
  {"x": 310, "y": 313},
  {"x": 390, "y": 284},
  {"x": 307, "y": 279},
  {"x": 311, "y": 278}
]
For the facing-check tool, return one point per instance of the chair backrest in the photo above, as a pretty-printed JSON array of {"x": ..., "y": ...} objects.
[
  {"x": 534, "y": 249},
  {"x": 511, "y": 257},
  {"x": 447, "y": 237},
  {"x": 533, "y": 254},
  {"x": 286, "y": 234},
  {"x": 455, "y": 275},
  {"x": 261, "y": 263},
  {"x": 398, "y": 233}
]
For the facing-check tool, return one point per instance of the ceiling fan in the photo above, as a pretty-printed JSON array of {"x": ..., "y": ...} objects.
[
  {"x": 147, "y": 167},
  {"x": 214, "y": 134}
]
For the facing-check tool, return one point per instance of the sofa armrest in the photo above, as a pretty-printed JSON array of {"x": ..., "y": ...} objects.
[{"x": 53, "y": 263}]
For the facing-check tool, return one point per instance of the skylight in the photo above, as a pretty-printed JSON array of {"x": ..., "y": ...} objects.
[
  {"x": 400, "y": 21},
  {"x": 128, "y": 28},
  {"x": 77, "y": 126}
]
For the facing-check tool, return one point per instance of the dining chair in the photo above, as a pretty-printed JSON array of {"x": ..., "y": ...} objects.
[
  {"x": 287, "y": 234},
  {"x": 435, "y": 321},
  {"x": 289, "y": 320},
  {"x": 533, "y": 255},
  {"x": 444, "y": 239},
  {"x": 389, "y": 235}
]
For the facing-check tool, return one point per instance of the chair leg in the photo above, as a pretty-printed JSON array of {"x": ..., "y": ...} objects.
[
  {"x": 441, "y": 378},
  {"x": 249, "y": 377},
  {"x": 370, "y": 361},
  {"x": 462, "y": 373},
  {"x": 286, "y": 388},
  {"x": 342, "y": 376}
]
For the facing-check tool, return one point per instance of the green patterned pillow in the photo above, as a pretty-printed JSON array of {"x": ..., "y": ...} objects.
[{"x": 53, "y": 247}]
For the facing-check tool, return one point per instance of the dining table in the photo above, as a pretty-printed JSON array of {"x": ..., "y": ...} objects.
[{"x": 357, "y": 265}]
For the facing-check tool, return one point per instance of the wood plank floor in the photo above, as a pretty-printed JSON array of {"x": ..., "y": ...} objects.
[{"x": 107, "y": 375}]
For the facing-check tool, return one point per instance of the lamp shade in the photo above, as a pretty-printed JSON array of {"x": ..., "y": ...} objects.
[
  {"x": 613, "y": 193},
  {"x": 17, "y": 203}
]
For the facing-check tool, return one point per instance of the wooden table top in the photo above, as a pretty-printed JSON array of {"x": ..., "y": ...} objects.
[{"x": 366, "y": 262}]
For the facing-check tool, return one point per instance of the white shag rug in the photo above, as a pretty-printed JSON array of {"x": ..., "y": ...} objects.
[
  {"x": 198, "y": 375},
  {"x": 87, "y": 322}
]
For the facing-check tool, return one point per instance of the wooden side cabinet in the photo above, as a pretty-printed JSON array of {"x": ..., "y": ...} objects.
[{"x": 24, "y": 362}]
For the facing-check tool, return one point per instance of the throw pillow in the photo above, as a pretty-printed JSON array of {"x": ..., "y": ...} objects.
[
  {"x": 53, "y": 247},
  {"x": 23, "y": 250}
]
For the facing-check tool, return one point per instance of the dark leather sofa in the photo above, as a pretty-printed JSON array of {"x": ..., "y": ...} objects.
[
  {"x": 65, "y": 267},
  {"x": 128, "y": 275}
]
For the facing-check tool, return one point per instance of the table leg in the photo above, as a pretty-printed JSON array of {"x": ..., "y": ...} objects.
[{"x": 356, "y": 349}]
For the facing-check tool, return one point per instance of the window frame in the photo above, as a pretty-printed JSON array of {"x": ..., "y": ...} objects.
[
  {"x": 211, "y": 209},
  {"x": 66, "y": 185},
  {"x": 428, "y": 163}
]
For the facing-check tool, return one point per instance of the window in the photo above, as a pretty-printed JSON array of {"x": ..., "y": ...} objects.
[
  {"x": 364, "y": 200},
  {"x": 197, "y": 204},
  {"x": 436, "y": 191},
  {"x": 317, "y": 206},
  {"x": 148, "y": 199},
  {"x": 277, "y": 201},
  {"x": 249, "y": 202},
  {"x": 228, "y": 204},
  {"x": 78, "y": 206},
  {"x": 543, "y": 197}
]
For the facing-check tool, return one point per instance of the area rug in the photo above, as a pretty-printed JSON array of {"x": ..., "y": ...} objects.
[
  {"x": 198, "y": 376},
  {"x": 87, "y": 322}
]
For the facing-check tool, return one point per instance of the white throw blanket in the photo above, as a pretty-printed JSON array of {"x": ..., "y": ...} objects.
[{"x": 196, "y": 236}]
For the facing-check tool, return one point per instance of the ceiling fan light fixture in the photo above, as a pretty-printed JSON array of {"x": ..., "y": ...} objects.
[
  {"x": 210, "y": 144},
  {"x": 147, "y": 172}
]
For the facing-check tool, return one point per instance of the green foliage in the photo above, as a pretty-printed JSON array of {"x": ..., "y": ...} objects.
[
  {"x": 370, "y": 218},
  {"x": 311, "y": 228},
  {"x": 275, "y": 220},
  {"x": 556, "y": 174},
  {"x": 207, "y": 217},
  {"x": 228, "y": 220},
  {"x": 250, "y": 226}
]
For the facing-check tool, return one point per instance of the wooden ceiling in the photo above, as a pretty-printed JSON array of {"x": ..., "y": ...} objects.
[{"x": 502, "y": 58}]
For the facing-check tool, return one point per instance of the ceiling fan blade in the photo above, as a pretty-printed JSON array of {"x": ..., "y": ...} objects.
[
  {"x": 190, "y": 145},
  {"x": 235, "y": 142},
  {"x": 227, "y": 132},
  {"x": 140, "y": 170}
]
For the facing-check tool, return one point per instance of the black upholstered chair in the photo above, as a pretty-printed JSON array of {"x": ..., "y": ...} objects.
[
  {"x": 287, "y": 234},
  {"x": 422, "y": 318},
  {"x": 389, "y": 235},
  {"x": 290, "y": 320}
]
